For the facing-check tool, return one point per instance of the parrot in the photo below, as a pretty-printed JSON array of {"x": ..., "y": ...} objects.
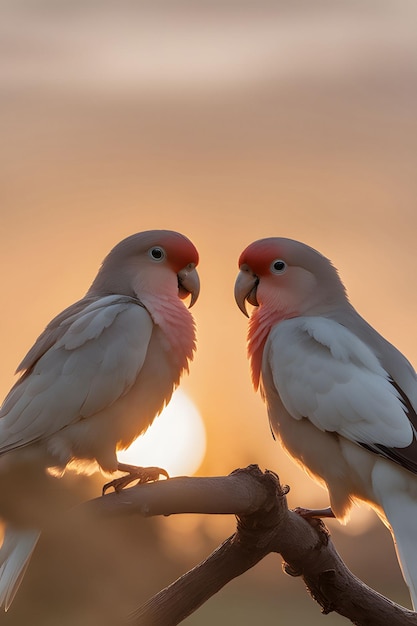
[
  {"x": 341, "y": 399},
  {"x": 94, "y": 381}
]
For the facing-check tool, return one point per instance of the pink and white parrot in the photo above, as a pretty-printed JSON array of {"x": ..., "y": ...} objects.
[
  {"x": 341, "y": 399},
  {"x": 94, "y": 381}
]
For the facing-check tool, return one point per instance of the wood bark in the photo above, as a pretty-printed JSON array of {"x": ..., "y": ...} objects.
[{"x": 264, "y": 525}]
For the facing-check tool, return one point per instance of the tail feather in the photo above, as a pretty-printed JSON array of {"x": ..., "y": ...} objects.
[
  {"x": 395, "y": 490},
  {"x": 402, "y": 519},
  {"x": 18, "y": 546}
]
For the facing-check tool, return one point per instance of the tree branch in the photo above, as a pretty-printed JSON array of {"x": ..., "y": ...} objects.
[{"x": 265, "y": 525}]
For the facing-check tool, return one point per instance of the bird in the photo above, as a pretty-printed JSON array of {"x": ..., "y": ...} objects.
[
  {"x": 341, "y": 399},
  {"x": 93, "y": 382}
]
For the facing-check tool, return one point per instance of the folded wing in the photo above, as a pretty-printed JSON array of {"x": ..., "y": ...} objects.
[
  {"x": 93, "y": 357},
  {"x": 325, "y": 373}
]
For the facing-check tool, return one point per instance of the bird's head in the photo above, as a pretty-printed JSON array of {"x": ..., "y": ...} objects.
[
  {"x": 154, "y": 261},
  {"x": 287, "y": 276}
]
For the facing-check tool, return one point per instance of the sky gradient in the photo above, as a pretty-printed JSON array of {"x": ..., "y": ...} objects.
[{"x": 227, "y": 121}]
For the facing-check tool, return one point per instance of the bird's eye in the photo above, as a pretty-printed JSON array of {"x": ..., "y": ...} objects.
[
  {"x": 157, "y": 253},
  {"x": 278, "y": 266}
]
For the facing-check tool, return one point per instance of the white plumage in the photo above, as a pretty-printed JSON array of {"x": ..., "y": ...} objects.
[
  {"x": 341, "y": 399},
  {"x": 323, "y": 371},
  {"x": 98, "y": 356},
  {"x": 93, "y": 381}
]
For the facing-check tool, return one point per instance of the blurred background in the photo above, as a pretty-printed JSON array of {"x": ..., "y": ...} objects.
[{"x": 227, "y": 120}]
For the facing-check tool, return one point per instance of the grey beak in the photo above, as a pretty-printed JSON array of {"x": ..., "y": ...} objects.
[
  {"x": 188, "y": 283},
  {"x": 245, "y": 289}
]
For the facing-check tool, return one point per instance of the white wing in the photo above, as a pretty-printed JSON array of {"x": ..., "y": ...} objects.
[
  {"x": 97, "y": 355},
  {"x": 323, "y": 372}
]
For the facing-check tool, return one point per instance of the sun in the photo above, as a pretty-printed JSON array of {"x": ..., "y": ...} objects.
[{"x": 176, "y": 441}]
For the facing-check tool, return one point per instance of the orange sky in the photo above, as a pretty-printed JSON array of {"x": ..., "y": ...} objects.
[
  {"x": 294, "y": 132},
  {"x": 228, "y": 122}
]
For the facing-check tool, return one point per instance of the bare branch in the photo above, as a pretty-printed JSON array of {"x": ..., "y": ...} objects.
[
  {"x": 264, "y": 525},
  {"x": 240, "y": 493}
]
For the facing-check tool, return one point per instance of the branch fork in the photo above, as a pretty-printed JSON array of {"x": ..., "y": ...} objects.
[{"x": 264, "y": 525}]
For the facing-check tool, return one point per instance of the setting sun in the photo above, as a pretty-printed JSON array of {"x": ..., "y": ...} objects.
[
  {"x": 176, "y": 440},
  {"x": 227, "y": 122}
]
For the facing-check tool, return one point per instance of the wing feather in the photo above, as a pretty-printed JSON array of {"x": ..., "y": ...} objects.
[
  {"x": 52, "y": 333},
  {"x": 96, "y": 357},
  {"x": 325, "y": 373}
]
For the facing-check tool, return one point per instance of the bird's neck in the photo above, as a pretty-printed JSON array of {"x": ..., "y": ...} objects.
[
  {"x": 177, "y": 326},
  {"x": 262, "y": 320}
]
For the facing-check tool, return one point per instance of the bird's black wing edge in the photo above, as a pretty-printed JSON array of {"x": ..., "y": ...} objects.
[{"x": 406, "y": 457}]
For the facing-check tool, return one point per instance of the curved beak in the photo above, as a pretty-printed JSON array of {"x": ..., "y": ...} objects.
[
  {"x": 245, "y": 288},
  {"x": 188, "y": 283}
]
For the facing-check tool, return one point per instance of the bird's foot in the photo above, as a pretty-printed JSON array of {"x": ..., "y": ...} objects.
[
  {"x": 141, "y": 474},
  {"x": 314, "y": 518},
  {"x": 314, "y": 513}
]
